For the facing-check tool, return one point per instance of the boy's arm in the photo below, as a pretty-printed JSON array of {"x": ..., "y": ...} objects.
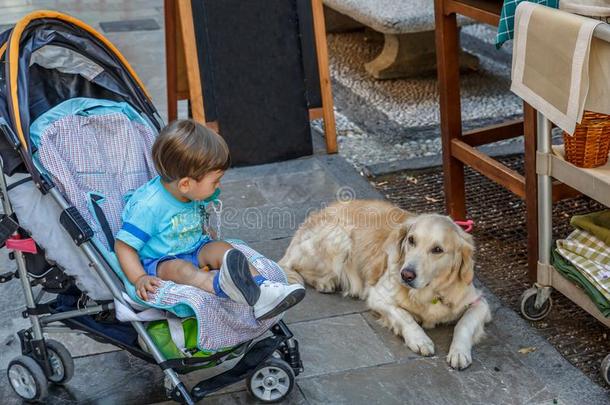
[
  {"x": 130, "y": 263},
  {"x": 129, "y": 260}
]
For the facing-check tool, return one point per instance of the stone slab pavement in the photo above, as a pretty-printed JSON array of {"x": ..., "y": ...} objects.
[{"x": 348, "y": 356}]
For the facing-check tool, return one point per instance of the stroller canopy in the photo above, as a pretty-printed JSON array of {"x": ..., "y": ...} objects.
[{"x": 50, "y": 57}]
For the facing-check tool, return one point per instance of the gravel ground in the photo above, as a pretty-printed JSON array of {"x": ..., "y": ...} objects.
[{"x": 384, "y": 121}]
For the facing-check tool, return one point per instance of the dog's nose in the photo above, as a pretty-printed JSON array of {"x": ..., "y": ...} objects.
[{"x": 408, "y": 275}]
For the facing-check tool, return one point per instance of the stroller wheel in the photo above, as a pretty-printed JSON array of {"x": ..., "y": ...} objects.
[
  {"x": 27, "y": 379},
  {"x": 61, "y": 361},
  {"x": 272, "y": 381}
]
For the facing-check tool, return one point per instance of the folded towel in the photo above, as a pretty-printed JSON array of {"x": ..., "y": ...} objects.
[
  {"x": 566, "y": 269},
  {"x": 552, "y": 69},
  {"x": 596, "y": 223},
  {"x": 590, "y": 256}
]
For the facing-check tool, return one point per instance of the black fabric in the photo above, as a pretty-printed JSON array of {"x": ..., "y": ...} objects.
[
  {"x": 40, "y": 34},
  {"x": 310, "y": 56},
  {"x": 18, "y": 183},
  {"x": 204, "y": 58},
  {"x": 253, "y": 50},
  {"x": 101, "y": 219},
  {"x": 4, "y": 36},
  {"x": 39, "y": 90},
  {"x": 49, "y": 87},
  {"x": 123, "y": 332},
  {"x": 11, "y": 161}
]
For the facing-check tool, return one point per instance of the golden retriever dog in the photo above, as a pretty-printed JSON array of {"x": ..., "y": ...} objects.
[{"x": 411, "y": 269}]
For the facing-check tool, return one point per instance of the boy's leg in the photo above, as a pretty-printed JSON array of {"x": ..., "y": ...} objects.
[
  {"x": 183, "y": 272},
  {"x": 268, "y": 298},
  {"x": 212, "y": 253},
  {"x": 236, "y": 279}
]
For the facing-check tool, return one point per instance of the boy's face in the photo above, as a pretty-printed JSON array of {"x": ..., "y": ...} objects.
[{"x": 202, "y": 189}]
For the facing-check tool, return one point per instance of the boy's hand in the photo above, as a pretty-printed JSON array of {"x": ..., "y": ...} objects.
[{"x": 146, "y": 284}]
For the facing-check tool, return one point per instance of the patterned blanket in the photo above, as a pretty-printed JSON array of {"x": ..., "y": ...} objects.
[{"x": 222, "y": 323}]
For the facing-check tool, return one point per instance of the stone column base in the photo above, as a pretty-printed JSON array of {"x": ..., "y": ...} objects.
[{"x": 409, "y": 55}]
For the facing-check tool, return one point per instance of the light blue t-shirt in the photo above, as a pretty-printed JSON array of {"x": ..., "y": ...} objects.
[{"x": 156, "y": 224}]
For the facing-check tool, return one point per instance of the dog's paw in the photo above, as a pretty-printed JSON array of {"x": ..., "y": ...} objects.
[
  {"x": 459, "y": 358},
  {"x": 421, "y": 344}
]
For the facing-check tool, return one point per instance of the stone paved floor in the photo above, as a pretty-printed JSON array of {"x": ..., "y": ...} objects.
[{"x": 348, "y": 357}]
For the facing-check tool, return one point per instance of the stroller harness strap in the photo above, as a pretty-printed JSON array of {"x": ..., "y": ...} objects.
[{"x": 95, "y": 201}]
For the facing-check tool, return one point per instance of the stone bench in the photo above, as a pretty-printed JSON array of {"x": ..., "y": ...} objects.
[{"x": 408, "y": 31}]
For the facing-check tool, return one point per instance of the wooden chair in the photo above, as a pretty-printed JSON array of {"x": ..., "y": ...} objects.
[{"x": 459, "y": 148}]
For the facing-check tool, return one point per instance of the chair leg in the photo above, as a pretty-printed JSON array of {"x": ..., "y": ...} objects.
[
  {"x": 447, "y": 54},
  {"x": 171, "y": 67}
]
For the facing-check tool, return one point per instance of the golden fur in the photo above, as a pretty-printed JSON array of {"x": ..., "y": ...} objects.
[{"x": 362, "y": 247}]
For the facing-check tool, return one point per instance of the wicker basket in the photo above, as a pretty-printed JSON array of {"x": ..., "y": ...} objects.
[{"x": 590, "y": 144}]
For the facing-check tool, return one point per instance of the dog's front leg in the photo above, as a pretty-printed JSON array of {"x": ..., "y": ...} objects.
[
  {"x": 400, "y": 321},
  {"x": 467, "y": 332}
]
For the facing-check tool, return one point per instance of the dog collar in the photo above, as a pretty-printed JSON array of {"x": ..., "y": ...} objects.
[{"x": 475, "y": 302}]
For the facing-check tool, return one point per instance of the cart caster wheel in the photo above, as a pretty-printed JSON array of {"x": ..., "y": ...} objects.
[
  {"x": 605, "y": 369},
  {"x": 272, "y": 381},
  {"x": 27, "y": 379},
  {"x": 528, "y": 308},
  {"x": 61, "y": 361}
]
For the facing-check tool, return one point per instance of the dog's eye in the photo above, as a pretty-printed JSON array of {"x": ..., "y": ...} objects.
[
  {"x": 437, "y": 250},
  {"x": 411, "y": 240}
]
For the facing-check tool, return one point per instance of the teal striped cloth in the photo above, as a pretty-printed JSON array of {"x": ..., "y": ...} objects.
[{"x": 507, "y": 18}]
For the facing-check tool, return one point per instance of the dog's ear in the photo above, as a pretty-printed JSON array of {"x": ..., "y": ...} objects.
[
  {"x": 395, "y": 244},
  {"x": 466, "y": 266}
]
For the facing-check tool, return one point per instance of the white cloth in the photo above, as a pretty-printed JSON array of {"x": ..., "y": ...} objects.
[
  {"x": 552, "y": 69},
  {"x": 593, "y": 8}
]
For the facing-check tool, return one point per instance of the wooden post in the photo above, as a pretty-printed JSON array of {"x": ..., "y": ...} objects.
[
  {"x": 328, "y": 113},
  {"x": 171, "y": 67},
  {"x": 447, "y": 54},
  {"x": 185, "y": 13}
]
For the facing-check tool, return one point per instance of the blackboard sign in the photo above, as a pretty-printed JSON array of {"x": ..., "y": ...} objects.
[{"x": 255, "y": 73}]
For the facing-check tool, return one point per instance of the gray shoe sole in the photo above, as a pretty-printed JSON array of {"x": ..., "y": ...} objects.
[
  {"x": 288, "y": 302},
  {"x": 239, "y": 277}
]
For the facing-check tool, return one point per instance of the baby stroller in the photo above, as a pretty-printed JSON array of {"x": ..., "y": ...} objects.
[{"x": 60, "y": 211}]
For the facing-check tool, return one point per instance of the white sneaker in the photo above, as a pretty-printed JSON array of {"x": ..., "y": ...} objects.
[
  {"x": 235, "y": 278},
  {"x": 276, "y": 298}
]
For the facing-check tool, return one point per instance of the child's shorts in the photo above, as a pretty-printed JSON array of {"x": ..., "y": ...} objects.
[{"x": 150, "y": 265}]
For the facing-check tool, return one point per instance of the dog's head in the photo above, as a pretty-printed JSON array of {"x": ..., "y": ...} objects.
[{"x": 430, "y": 249}]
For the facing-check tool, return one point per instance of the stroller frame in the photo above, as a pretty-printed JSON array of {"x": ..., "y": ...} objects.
[
  {"x": 38, "y": 361},
  {"x": 43, "y": 319}
]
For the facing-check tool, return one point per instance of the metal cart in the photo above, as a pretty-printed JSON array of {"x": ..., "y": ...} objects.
[{"x": 536, "y": 302}]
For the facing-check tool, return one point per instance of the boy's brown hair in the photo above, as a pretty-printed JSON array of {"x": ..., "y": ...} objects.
[{"x": 186, "y": 148}]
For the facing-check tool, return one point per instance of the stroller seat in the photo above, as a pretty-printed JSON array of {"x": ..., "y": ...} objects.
[{"x": 96, "y": 152}]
